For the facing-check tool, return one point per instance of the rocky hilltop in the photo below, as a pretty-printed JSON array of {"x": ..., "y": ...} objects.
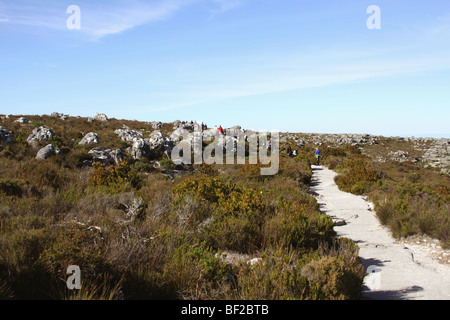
[
  {"x": 430, "y": 151},
  {"x": 164, "y": 136}
]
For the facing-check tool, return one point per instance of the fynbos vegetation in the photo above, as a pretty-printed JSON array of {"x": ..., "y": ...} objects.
[{"x": 142, "y": 227}]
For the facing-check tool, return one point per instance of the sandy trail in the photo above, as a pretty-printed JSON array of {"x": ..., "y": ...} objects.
[{"x": 396, "y": 271}]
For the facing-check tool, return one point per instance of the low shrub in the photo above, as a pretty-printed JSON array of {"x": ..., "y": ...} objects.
[
  {"x": 335, "y": 278},
  {"x": 295, "y": 225},
  {"x": 356, "y": 171},
  {"x": 111, "y": 175}
]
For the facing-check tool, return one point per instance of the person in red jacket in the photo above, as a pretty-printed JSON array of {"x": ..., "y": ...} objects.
[{"x": 220, "y": 129}]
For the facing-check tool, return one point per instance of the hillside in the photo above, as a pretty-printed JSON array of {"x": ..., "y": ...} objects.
[{"x": 104, "y": 195}]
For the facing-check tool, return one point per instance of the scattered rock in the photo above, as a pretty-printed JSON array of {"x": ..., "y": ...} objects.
[
  {"x": 60, "y": 115},
  {"x": 100, "y": 155},
  {"x": 158, "y": 142},
  {"x": 6, "y": 136},
  {"x": 128, "y": 135},
  {"x": 135, "y": 208},
  {"x": 139, "y": 149},
  {"x": 340, "y": 222},
  {"x": 100, "y": 117},
  {"x": 47, "y": 152},
  {"x": 105, "y": 156},
  {"x": 22, "y": 120},
  {"x": 90, "y": 138},
  {"x": 156, "y": 124},
  {"x": 234, "y": 258},
  {"x": 430, "y": 245},
  {"x": 438, "y": 155},
  {"x": 116, "y": 155},
  {"x": 142, "y": 147},
  {"x": 41, "y": 133}
]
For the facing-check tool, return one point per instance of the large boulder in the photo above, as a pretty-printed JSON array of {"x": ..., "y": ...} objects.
[
  {"x": 126, "y": 134},
  {"x": 178, "y": 134},
  {"x": 90, "y": 138},
  {"x": 158, "y": 142},
  {"x": 47, "y": 152},
  {"x": 139, "y": 149},
  {"x": 41, "y": 133},
  {"x": 6, "y": 136},
  {"x": 100, "y": 117},
  {"x": 100, "y": 155},
  {"x": 116, "y": 156}
]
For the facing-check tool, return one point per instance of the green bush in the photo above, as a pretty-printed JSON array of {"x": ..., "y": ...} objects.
[
  {"x": 293, "y": 226},
  {"x": 356, "y": 171},
  {"x": 334, "y": 278},
  {"x": 115, "y": 176},
  {"x": 277, "y": 276},
  {"x": 75, "y": 245}
]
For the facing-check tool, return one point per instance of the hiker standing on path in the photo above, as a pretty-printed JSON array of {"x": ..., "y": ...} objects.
[{"x": 318, "y": 155}]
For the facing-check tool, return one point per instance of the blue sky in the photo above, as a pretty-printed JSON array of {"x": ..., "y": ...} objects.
[{"x": 291, "y": 65}]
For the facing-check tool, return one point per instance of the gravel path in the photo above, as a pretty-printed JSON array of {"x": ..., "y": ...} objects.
[{"x": 396, "y": 270}]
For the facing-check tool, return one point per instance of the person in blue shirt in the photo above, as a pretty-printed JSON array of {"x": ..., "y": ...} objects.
[{"x": 318, "y": 155}]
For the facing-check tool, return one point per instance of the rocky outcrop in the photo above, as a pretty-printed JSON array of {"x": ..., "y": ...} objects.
[
  {"x": 158, "y": 142},
  {"x": 100, "y": 155},
  {"x": 105, "y": 156},
  {"x": 156, "y": 125},
  {"x": 430, "y": 151},
  {"x": 100, "y": 117},
  {"x": 142, "y": 147},
  {"x": 60, "y": 115},
  {"x": 90, "y": 138},
  {"x": 22, "y": 120},
  {"x": 116, "y": 156},
  {"x": 41, "y": 133},
  {"x": 438, "y": 155},
  {"x": 333, "y": 139},
  {"x": 47, "y": 152},
  {"x": 139, "y": 149},
  {"x": 128, "y": 135}
]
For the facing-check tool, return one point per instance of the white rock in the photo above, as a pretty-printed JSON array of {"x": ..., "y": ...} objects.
[
  {"x": 101, "y": 117},
  {"x": 47, "y": 152},
  {"x": 89, "y": 138},
  {"x": 41, "y": 133}
]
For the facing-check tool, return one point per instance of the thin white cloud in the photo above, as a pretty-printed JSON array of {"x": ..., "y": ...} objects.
[
  {"x": 224, "y": 6},
  {"x": 105, "y": 21},
  {"x": 97, "y": 19},
  {"x": 210, "y": 82}
]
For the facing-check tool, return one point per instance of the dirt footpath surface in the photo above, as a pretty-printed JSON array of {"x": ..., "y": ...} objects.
[{"x": 396, "y": 270}]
